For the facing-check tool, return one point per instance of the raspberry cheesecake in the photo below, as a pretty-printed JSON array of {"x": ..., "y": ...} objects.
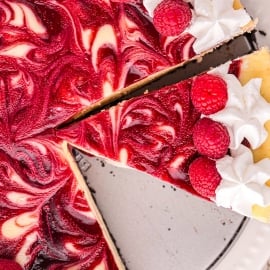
[
  {"x": 59, "y": 59},
  {"x": 207, "y": 135}
]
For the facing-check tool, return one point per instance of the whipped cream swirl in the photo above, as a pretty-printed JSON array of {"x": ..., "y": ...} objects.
[
  {"x": 243, "y": 183},
  {"x": 246, "y": 111},
  {"x": 214, "y": 22}
]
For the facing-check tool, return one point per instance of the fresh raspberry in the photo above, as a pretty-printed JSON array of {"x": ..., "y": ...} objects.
[
  {"x": 204, "y": 176},
  {"x": 6, "y": 264},
  {"x": 211, "y": 138},
  {"x": 209, "y": 93},
  {"x": 172, "y": 17}
]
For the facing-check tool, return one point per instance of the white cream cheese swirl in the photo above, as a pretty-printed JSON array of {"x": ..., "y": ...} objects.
[{"x": 243, "y": 183}]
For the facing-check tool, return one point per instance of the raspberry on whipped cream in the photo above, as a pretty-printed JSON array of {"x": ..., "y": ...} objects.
[
  {"x": 178, "y": 17},
  {"x": 211, "y": 138},
  {"x": 204, "y": 176},
  {"x": 209, "y": 93}
]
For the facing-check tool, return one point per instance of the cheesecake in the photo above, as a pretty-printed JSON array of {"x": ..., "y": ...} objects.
[{"x": 58, "y": 61}]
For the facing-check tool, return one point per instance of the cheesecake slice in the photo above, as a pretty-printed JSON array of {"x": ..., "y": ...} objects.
[
  {"x": 79, "y": 54},
  {"x": 207, "y": 135}
]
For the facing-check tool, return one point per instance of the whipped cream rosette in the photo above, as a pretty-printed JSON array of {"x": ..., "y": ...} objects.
[{"x": 244, "y": 182}]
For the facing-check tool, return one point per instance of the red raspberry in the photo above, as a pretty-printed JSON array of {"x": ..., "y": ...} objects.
[
  {"x": 204, "y": 176},
  {"x": 172, "y": 17},
  {"x": 6, "y": 264},
  {"x": 209, "y": 93},
  {"x": 211, "y": 138}
]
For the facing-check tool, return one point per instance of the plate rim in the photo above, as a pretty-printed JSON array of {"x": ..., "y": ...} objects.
[{"x": 250, "y": 251}]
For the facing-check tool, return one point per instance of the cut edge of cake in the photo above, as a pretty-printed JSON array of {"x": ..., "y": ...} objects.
[{"x": 90, "y": 200}]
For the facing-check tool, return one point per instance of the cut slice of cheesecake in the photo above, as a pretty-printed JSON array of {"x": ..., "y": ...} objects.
[
  {"x": 207, "y": 135},
  {"x": 77, "y": 54}
]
